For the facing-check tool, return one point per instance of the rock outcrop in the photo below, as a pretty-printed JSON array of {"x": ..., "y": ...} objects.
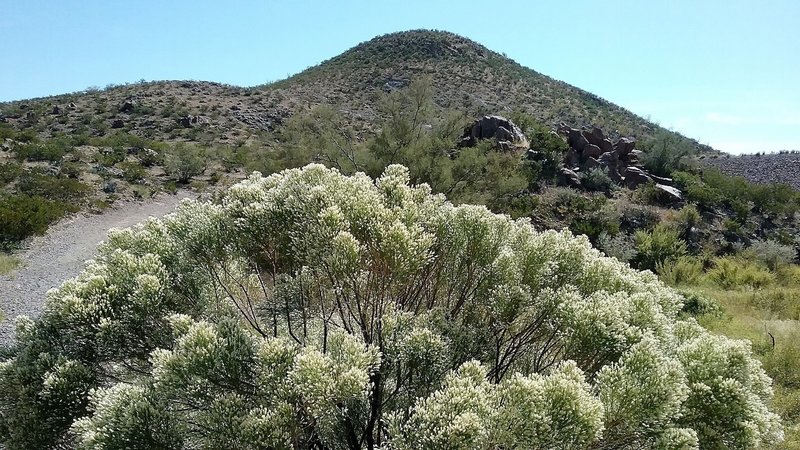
[
  {"x": 591, "y": 149},
  {"x": 506, "y": 134}
]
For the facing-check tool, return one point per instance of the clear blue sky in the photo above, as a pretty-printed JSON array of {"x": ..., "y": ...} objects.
[{"x": 725, "y": 72}]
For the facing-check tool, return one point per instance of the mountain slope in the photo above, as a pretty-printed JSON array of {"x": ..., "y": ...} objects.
[{"x": 466, "y": 76}]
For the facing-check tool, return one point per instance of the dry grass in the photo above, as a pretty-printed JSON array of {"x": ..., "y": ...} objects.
[{"x": 8, "y": 263}]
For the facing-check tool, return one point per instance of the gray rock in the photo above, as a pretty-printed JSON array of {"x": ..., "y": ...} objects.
[
  {"x": 576, "y": 140},
  {"x": 592, "y": 151},
  {"x": 669, "y": 193},
  {"x": 569, "y": 177},
  {"x": 592, "y": 163},
  {"x": 607, "y": 146},
  {"x": 635, "y": 177},
  {"x": 624, "y": 146},
  {"x": 494, "y": 127}
]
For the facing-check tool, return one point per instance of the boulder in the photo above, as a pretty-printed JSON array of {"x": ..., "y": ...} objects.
[
  {"x": 635, "y": 177},
  {"x": 609, "y": 159},
  {"x": 669, "y": 194},
  {"x": 568, "y": 177},
  {"x": 607, "y": 146},
  {"x": 592, "y": 163},
  {"x": 117, "y": 123},
  {"x": 571, "y": 158},
  {"x": 494, "y": 127},
  {"x": 56, "y": 110},
  {"x": 190, "y": 121},
  {"x": 72, "y": 105},
  {"x": 127, "y": 106},
  {"x": 576, "y": 140},
  {"x": 624, "y": 146},
  {"x": 662, "y": 180},
  {"x": 595, "y": 136},
  {"x": 592, "y": 151}
]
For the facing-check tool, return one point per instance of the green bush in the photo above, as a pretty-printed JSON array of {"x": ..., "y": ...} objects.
[
  {"x": 184, "y": 161},
  {"x": 684, "y": 270},
  {"x": 736, "y": 273},
  {"x": 781, "y": 302},
  {"x": 38, "y": 184},
  {"x": 22, "y": 216},
  {"x": 132, "y": 171},
  {"x": 656, "y": 247},
  {"x": 597, "y": 179},
  {"x": 696, "y": 305},
  {"x": 664, "y": 152},
  {"x": 772, "y": 253},
  {"x": 9, "y": 172}
]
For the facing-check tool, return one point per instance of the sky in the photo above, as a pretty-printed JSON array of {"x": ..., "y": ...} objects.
[{"x": 723, "y": 72}]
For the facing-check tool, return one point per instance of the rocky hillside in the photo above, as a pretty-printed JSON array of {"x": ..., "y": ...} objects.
[
  {"x": 781, "y": 167},
  {"x": 466, "y": 77}
]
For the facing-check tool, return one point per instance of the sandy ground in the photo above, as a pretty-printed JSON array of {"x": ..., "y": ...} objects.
[{"x": 61, "y": 253}]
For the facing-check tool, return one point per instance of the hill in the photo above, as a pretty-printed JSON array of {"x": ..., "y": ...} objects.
[{"x": 466, "y": 76}]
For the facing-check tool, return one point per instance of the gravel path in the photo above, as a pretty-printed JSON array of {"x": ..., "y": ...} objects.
[{"x": 61, "y": 254}]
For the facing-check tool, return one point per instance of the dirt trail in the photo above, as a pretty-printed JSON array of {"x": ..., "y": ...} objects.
[{"x": 61, "y": 253}]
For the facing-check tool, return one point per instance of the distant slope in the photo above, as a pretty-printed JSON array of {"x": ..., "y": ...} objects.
[
  {"x": 762, "y": 169},
  {"x": 466, "y": 75}
]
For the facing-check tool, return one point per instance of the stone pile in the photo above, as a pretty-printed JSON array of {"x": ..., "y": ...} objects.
[{"x": 589, "y": 149}]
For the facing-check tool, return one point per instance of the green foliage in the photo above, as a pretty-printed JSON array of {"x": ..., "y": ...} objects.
[
  {"x": 620, "y": 246},
  {"x": 9, "y": 171},
  {"x": 657, "y": 247},
  {"x": 696, "y": 304},
  {"x": 664, "y": 152},
  {"x": 184, "y": 161},
  {"x": 737, "y": 273},
  {"x": 684, "y": 270},
  {"x": 772, "y": 254},
  {"x": 313, "y": 310},
  {"x": 37, "y": 184},
  {"x": 597, "y": 179},
  {"x": 22, "y": 216}
]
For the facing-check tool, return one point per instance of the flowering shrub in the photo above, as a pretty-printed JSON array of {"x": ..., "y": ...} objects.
[{"x": 312, "y": 310}]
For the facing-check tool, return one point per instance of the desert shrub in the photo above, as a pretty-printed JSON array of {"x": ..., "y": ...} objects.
[
  {"x": 132, "y": 171},
  {"x": 687, "y": 218},
  {"x": 47, "y": 151},
  {"x": 781, "y": 302},
  {"x": 61, "y": 188},
  {"x": 696, "y": 305},
  {"x": 737, "y": 273},
  {"x": 664, "y": 152},
  {"x": 9, "y": 171},
  {"x": 685, "y": 270},
  {"x": 637, "y": 217},
  {"x": 783, "y": 361},
  {"x": 772, "y": 253},
  {"x": 657, "y": 247},
  {"x": 597, "y": 179},
  {"x": 313, "y": 310},
  {"x": 184, "y": 161},
  {"x": 22, "y": 216},
  {"x": 788, "y": 275},
  {"x": 694, "y": 189},
  {"x": 620, "y": 246}
]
